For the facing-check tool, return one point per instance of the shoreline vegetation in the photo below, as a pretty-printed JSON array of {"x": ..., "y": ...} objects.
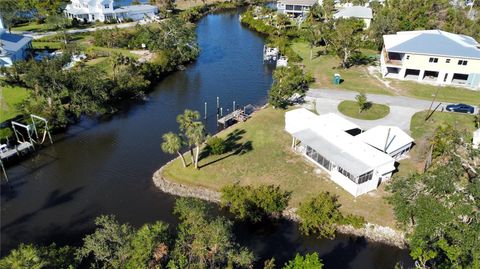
[
  {"x": 206, "y": 183},
  {"x": 124, "y": 69}
]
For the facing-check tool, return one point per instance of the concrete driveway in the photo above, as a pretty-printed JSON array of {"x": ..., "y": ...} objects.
[{"x": 401, "y": 108}]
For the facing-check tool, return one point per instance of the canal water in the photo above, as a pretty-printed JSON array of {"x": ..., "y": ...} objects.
[{"x": 105, "y": 166}]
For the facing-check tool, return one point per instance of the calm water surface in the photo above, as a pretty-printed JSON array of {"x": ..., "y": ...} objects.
[{"x": 105, "y": 166}]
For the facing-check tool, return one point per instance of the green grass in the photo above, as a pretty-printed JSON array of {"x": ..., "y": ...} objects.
[
  {"x": 422, "y": 131},
  {"x": 375, "y": 112},
  {"x": 445, "y": 93},
  {"x": 357, "y": 78},
  {"x": 421, "y": 128},
  {"x": 32, "y": 26},
  {"x": 271, "y": 161},
  {"x": 323, "y": 67},
  {"x": 47, "y": 45},
  {"x": 10, "y": 97}
]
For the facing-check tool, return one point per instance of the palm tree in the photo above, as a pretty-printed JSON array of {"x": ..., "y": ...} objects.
[
  {"x": 197, "y": 136},
  {"x": 172, "y": 143},
  {"x": 186, "y": 122}
]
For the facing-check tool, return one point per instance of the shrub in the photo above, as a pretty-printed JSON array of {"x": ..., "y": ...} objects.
[
  {"x": 254, "y": 204},
  {"x": 355, "y": 221},
  {"x": 216, "y": 145},
  {"x": 319, "y": 215},
  {"x": 287, "y": 81},
  {"x": 309, "y": 261}
]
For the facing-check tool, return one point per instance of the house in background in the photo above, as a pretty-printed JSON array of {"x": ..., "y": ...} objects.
[
  {"x": 432, "y": 56},
  {"x": 295, "y": 8},
  {"x": 107, "y": 10},
  {"x": 12, "y": 47},
  {"x": 355, "y": 165},
  {"x": 359, "y": 12}
]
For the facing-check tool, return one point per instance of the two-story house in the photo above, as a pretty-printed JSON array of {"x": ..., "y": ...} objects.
[
  {"x": 295, "y": 8},
  {"x": 358, "y": 12},
  {"x": 432, "y": 56},
  {"x": 105, "y": 10}
]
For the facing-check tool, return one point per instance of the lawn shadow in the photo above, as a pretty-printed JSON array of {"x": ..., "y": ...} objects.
[{"x": 232, "y": 147}]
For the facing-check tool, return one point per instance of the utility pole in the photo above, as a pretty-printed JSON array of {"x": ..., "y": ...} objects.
[{"x": 431, "y": 104}]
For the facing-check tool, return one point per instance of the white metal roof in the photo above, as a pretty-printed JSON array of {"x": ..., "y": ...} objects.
[
  {"x": 433, "y": 42},
  {"x": 301, "y": 119},
  {"x": 344, "y": 150},
  {"x": 326, "y": 134},
  {"x": 379, "y": 137},
  {"x": 332, "y": 120},
  {"x": 354, "y": 12}
]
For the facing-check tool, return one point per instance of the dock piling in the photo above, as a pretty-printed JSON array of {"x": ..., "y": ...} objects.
[{"x": 205, "y": 115}]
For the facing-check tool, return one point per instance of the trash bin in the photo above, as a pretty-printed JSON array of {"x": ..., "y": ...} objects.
[{"x": 336, "y": 79}]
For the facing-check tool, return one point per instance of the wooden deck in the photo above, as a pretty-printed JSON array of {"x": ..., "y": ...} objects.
[
  {"x": 15, "y": 151},
  {"x": 237, "y": 115}
]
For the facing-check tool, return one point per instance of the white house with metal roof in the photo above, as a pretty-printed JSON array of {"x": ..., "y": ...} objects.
[
  {"x": 324, "y": 140},
  {"x": 432, "y": 56},
  {"x": 389, "y": 139},
  {"x": 358, "y": 12},
  {"x": 12, "y": 47},
  {"x": 295, "y": 8},
  {"x": 106, "y": 10}
]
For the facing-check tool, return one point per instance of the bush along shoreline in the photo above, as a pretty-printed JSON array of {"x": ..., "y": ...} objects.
[{"x": 372, "y": 232}]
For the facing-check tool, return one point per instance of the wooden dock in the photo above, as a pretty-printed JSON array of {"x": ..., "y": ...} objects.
[
  {"x": 9, "y": 152},
  {"x": 231, "y": 118}
]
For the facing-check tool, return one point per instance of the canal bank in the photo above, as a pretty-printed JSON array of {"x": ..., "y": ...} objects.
[
  {"x": 189, "y": 182},
  {"x": 105, "y": 165}
]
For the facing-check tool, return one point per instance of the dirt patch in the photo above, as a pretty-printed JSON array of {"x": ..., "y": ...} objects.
[
  {"x": 374, "y": 72},
  {"x": 145, "y": 55}
]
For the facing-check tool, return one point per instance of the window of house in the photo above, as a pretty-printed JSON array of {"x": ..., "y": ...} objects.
[
  {"x": 106, "y": 6},
  {"x": 462, "y": 62},
  {"x": 447, "y": 61},
  {"x": 289, "y": 7},
  {"x": 433, "y": 60}
]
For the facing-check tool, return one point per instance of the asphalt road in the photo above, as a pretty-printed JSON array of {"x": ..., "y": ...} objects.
[{"x": 401, "y": 108}]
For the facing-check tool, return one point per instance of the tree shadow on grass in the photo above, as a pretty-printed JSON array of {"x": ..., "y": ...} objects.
[{"x": 232, "y": 147}]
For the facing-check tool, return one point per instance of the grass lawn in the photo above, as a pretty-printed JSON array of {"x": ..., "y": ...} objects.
[
  {"x": 10, "y": 97},
  {"x": 445, "y": 93},
  {"x": 266, "y": 158},
  {"x": 47, "y": 45},
  {"x": 357, "y": 78},
  {"x": 186, "y": 4},
  {"x": 422, "y": 131},
  {"x": 375, "y": 112},
  {"x": 323, "y": 68},
  {"x": 32, "y": 26},
  {"x": 420, "y": 128}
]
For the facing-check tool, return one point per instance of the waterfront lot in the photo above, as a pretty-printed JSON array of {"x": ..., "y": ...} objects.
[
  {"x": 366, "y": 79},
  {"x": 264, "y": 156},
  {"x": 10, "y": 98}
]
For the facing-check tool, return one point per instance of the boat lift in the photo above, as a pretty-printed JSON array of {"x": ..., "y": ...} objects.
[{"x": 25, "y": 143}]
